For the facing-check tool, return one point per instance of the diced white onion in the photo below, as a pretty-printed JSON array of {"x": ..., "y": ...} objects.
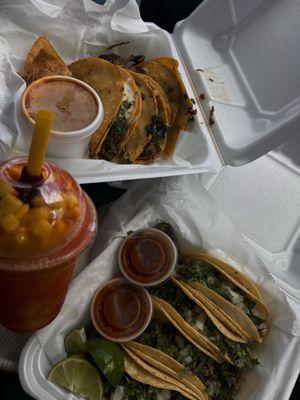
[
  {"x": 185, "y": 351},
  {"x": 188, "y": 360},
  {"x": 118, "y": 393},
  {"x": 129, "y": 96},
  {"x": 236, "y": 297},
  {"x": 180, "y": 341},
  {"x": 163, "y": 395},
  {"x": 188, "y": 316},
  {"x": 199, "y": 325}
]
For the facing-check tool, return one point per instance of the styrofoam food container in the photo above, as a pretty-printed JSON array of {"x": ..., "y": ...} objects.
[
  {"x": 71, "y": 144},
  {"x": 200, "y": 220},
  {"x": 225, "y": 51}
]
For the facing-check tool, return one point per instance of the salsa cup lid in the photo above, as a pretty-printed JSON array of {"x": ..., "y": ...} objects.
[
  {"x": 147, "y": 257},
  {"x": 121, "y": 311}
]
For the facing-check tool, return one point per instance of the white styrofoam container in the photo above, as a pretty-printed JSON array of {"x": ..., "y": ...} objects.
[
  {"x": 245, "y": 57},
  {"x": 194, "y": 211}
]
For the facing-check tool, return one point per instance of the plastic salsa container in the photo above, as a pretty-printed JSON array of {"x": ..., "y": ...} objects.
[
  {"x": 121, "y": 311},
  {"x": 44, "y": 226},
  {"x": 77, "y": 111},
  {"x": 147, "y": 257}
]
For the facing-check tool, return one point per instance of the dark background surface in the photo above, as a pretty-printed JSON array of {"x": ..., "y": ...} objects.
[{"x": 164, "y": 13}]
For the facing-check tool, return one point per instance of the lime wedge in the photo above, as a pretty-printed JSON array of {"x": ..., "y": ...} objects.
[
  {"x": 75, "y": 342},
  {"x": 79, "y": 376},
  {"x": 109, "y": 358}
]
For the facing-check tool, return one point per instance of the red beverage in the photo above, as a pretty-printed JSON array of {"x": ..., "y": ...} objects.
[{"x": 44, "y": 227}]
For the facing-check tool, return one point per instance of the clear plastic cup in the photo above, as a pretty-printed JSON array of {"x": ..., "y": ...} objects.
[{"x": 44, "y": 227}]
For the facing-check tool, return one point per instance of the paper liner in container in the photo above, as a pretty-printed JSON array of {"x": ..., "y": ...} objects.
[
  {"x": 197, "y": 218},
  {"x": 93, "y": 28}
]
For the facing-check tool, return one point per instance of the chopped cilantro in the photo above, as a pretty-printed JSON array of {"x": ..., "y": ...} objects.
[
  {"x": 174, "y": 296},
  {"x": 239, "y": 353},
  {"x": 157, "y": 129},
  {"x": 137, "y": 391},
  {"x": 259, "y": 322},
  {"x": 116, "y": 133},
  {"x": 201, "y": 271}
]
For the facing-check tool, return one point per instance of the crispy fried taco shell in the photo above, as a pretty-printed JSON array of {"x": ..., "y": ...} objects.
[
  {"x": 43, "y": 60},
  {"x": 107, "y": 81},
  {"x": 196, "y": 338},
  {"x": 138, "y": 373},
  {"x": 124, "y": 122},
  {"x": 140, "y": 136},
  {"x": 165, "y": 367}
]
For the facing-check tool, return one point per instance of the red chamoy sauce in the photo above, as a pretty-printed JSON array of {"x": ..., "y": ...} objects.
[
  {"x": 121, "y": 311},
  {"x": 147, "y": 257}
]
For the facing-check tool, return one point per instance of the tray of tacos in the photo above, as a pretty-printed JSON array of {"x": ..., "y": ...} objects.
[
  {"x": 149, "y": 122},
  {"x": 217, "y": 328},
  {"x": 173, "y": 104}
]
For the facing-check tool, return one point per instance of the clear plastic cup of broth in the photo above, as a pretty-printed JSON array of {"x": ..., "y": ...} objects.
[{"x": 44, "y": 227}]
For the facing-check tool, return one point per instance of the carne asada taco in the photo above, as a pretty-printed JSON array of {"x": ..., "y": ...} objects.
[
  {"x": 108, "y": 82},
  {"x": 164, "y": 70},
  {"x": 166, "y": 368},
  {"x": 43, "y": 60},
  {"x": 228, "y": 297},
  {"x": 164, "y": 348},
  {"x": 141, "y": 384},
  {"x": 221, "y": 294},
  {"x": 195, "y": 325}
]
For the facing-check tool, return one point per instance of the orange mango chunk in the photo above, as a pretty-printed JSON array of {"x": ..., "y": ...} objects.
[
  {"x": 22, "y": 236},
  {"x": 40, "y": 228},
  {"x": 71, "y": 199},
  {"x": 60, "y": 227},
  {"x": 36, "y": 213},
  {"x": 74, "y": 212},
  {"x": 22, "y": 211},
  {"x": 9, "y": 205},
  {"x": 10, "y": 223},
  {"x": 38, "y": 201},
  {"x": 5, "y": 189}
]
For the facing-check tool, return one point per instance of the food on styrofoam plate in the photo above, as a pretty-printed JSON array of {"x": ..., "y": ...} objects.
[
  {"x": 145, "y": 102},
  {"x": 196, "y": 345}
]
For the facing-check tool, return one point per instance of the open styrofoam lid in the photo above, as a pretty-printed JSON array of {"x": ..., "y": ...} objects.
[{"x": 244, "y": 56}]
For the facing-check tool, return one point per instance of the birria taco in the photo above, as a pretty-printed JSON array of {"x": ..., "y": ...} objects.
[
  {"x": 125, "y": 121},
  {"x": 108, "y": 82},
  {"x": 164, "y": 71},
  {"x": 157, "y": 130},
  {"x": 149, "y": 136}
]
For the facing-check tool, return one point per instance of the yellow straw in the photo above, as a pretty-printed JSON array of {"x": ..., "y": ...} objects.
[{"x": 39, "y": 143}]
